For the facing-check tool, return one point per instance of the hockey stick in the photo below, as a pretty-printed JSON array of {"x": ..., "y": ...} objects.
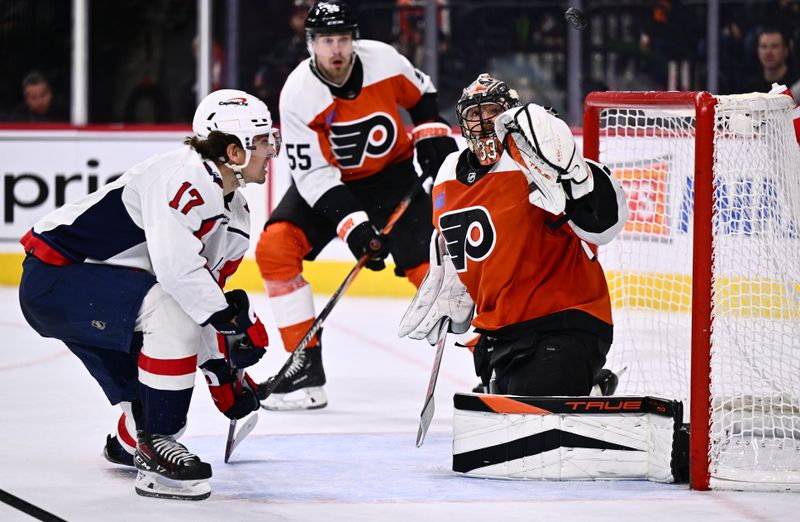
[
  {"x": 235, "y": 438},
  {"x": 237, "y": 390},
  {"x": 270, "y": 384},
  {"x": 28, "y": 508},
  {"x": 426, "y": 416}
]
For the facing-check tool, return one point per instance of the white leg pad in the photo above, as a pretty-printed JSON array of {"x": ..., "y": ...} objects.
[{"x": 538, "y": 440}]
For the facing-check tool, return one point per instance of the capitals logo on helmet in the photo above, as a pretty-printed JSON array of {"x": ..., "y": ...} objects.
[{"x": 480, "y": 103}]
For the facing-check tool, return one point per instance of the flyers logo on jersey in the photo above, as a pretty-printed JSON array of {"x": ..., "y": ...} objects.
[
  {"x": 372, "y": 136},
  {"x": 469, "y": 234}
]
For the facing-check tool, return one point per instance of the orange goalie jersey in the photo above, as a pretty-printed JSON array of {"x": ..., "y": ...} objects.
[{"x": 516, "y": 268}]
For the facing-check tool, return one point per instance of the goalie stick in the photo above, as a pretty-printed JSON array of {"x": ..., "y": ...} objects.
[
  {"x": 235, "y": 438},
  {"x": 426, "y": 416},
  {"x": 397, "y": 213}
]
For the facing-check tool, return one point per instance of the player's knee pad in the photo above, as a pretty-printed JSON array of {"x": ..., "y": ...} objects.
[
  {"x": 168, "y": 330},
  {"x": 168, "y": 357},
  {"x": 280, "y": 251}
]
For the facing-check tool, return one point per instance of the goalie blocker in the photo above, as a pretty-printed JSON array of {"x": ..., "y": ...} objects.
[{"x": 570, "y": 438}]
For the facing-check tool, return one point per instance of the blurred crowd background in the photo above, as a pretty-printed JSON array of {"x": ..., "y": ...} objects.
[{"x": 142, "y": 60}]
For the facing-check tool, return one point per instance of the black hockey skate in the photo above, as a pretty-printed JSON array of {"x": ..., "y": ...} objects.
[
  {"x": 301, "y": 387},
  {"x": 168, "y": 470},
  {"x": 115, "y": 453}
]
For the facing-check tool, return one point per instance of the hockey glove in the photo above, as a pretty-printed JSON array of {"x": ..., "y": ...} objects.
[
  {"x": 221, "y": 380},
  {"x": 433, "y": 144},
  {"x": 245, "y": 336},
  {"x": 440, "y": 295},
  {"x": 362, "y": 238},
  {"x": 544, "y": 149}
]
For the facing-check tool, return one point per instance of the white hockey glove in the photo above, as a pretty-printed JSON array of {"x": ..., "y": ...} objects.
[
  {"x": 441, "y": 294},
  {"x": 544, "y": 149}
]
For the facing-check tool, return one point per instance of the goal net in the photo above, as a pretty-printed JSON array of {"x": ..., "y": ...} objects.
[{"x": 705, "y": 278}]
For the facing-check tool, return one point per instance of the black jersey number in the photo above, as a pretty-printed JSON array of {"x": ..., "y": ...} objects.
[{"x": 302, "y": 160}]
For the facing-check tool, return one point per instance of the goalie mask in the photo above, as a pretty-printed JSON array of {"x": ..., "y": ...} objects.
[
  {"x": 480, "y": 103},
  {"x": 238, "y": 114}
]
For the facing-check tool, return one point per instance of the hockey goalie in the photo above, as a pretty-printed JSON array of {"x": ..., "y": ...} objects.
[{"x": 518, "y": 216}]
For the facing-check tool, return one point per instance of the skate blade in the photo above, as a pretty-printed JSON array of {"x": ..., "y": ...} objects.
[
  {"x": 312, "y": 398},
  {"x": 151, "y": 484}
]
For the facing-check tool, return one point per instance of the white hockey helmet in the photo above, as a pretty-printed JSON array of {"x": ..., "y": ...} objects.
[{"x": 236, "y": 113}]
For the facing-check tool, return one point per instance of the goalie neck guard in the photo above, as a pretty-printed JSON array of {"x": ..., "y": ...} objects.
[{"x": 480, "y": 103}]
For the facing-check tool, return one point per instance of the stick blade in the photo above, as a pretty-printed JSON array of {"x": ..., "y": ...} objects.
[
  {"x": 425, "y": 419},
  {"x": 243, "y": 432},
  {"x": 229, "y": 440}
]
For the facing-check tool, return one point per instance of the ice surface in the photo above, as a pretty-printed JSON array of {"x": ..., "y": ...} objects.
[{"x": 354, "y": 460}]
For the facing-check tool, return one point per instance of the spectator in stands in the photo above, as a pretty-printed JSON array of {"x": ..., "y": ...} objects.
[
  {"x": 283, "y": 57},
  {"x": 39, "y": 104},
  {"x": 773, "y": 53}
]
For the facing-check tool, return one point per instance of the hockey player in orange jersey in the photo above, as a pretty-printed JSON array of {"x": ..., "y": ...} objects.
[
  {"x": 351, "y": 163},
  {"x": 517, "y": 217}
]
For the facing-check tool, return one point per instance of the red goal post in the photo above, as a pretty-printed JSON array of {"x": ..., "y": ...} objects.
[{"x": 714, "y": 188}]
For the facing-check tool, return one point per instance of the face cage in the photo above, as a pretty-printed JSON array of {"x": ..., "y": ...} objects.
[{"x": 486, "y": 146}]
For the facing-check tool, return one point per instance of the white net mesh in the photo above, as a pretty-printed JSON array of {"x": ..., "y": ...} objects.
[{"x": 755, "y": 376}]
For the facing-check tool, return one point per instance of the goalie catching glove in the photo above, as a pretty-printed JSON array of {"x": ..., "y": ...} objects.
[
  {"x": 441, "y": 295},
  {"x": 543, "y": 147},
  {"x": 221, "y": 380},
  {"x": 245, "y": 336}
]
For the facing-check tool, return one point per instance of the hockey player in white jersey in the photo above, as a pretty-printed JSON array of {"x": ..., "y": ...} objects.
[
  {"x": 351, "y": 163},
  {"x": 131, "y": 279}
]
